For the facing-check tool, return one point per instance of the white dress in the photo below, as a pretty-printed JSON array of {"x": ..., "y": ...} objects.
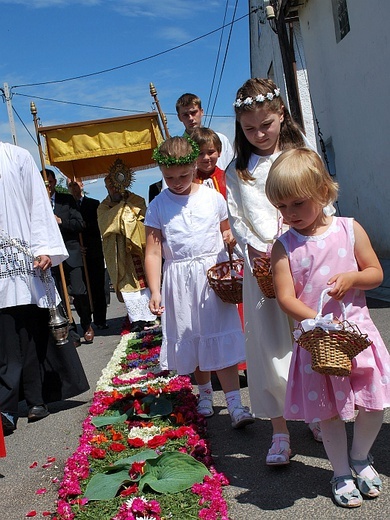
[
  {"x": 268, "y": 339},
  {"x": 27, "y": 220},
  {"x": 198, "y": 328}
]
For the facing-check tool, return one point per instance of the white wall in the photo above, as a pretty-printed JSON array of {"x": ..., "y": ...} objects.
[{"x": 349, "y": 85}]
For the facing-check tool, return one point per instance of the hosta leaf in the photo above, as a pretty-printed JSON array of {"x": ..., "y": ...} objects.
[
  {"x": 105, "y": 486},
  {"x": 116, "y": 418},
  {"x": 172, "y": 472}
]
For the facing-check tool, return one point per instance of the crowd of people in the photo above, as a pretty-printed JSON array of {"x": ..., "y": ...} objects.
[{"x": 267, "y": 196}]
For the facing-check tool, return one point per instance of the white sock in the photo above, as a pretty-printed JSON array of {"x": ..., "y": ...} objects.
[
  {"x": 206, "y": 391},
  {"x": 233, "y": 400}
]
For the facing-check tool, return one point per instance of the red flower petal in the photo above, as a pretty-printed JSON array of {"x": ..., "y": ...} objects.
[
  {"x": 46, "y": 513},
  {"x": 41, "y": 491},
  {"x": 34, "y": 464},
  {"x": 51, "y": 459},
  {"x": 31, "y": 514}
]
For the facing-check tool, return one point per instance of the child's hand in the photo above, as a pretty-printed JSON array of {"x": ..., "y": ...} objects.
[
  {"x": 343, "y": 282},
  {"x": 154, "y": 304},
  {"x": 228, "y": 238}
]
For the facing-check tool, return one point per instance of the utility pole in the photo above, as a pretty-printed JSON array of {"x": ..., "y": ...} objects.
[{"x": 8, "y": 101}]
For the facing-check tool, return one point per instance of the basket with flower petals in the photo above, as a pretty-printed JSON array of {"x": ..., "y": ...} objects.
[
  {"x": 263, "y": 274},
  {"x": 332, "y": 345},
  {"x": 226, "y": 279}
]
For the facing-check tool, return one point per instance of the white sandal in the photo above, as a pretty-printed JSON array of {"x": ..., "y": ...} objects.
[
  {"x": 315, "y": 428},
  {"x": 205, "y": 407},
  {"x": 279, "y": 452}
]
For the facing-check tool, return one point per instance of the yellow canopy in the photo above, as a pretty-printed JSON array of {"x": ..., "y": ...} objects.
[{"x": 89, "y": 148}]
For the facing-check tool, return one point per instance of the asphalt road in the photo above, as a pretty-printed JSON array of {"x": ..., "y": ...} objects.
[{"x": 299, "y": 491}]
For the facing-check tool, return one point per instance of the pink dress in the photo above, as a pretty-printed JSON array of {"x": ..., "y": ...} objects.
[{"x": 312, "y": 396}]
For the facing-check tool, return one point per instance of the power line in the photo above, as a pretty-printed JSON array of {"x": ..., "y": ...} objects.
[
  {"x": 97, "y": 106},
  {"x": 224, "y": 62},
  {"x": 25, "y": 127},
  {"x": 141, "y": 60},
  {"x": 77, "y": 104},
  {"x": 217, "y": 58}
]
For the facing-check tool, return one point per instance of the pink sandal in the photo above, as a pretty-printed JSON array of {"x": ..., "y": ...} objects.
[{"x": 279, "y": 452}]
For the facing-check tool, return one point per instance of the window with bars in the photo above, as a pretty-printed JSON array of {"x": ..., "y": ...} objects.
[{"x": 341, "y": 19}]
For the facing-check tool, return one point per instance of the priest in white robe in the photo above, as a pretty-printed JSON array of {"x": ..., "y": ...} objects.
[{"x": 30, "y": 243}]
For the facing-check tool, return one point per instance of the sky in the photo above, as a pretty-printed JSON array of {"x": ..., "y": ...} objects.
[{"x": 114, "y": 49}]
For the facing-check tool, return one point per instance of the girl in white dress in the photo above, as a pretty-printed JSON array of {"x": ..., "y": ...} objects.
[
  {"x": 264, "y": 128},
  {"x": 188, "y": 223}
]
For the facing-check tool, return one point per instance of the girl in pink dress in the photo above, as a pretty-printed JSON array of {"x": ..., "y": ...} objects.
[{"x": 320, "y": 252}]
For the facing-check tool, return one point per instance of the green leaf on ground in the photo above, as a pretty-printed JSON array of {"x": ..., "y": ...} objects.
[{"x": 172, "y": 472}]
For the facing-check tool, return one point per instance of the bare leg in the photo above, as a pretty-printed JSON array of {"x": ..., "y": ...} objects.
[
  {"x": 279, "y": 425},
  {"x": 229, "y": 378},
  {"x": 202, "y": 378}
]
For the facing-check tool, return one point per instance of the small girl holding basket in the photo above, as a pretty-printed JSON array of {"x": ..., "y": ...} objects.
[
  {"x": 327, "y": 252},
  {"x": 187, "y": 223}
]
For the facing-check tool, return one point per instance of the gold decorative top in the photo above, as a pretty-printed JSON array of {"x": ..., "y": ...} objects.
[{"x": 120, "y": 176}]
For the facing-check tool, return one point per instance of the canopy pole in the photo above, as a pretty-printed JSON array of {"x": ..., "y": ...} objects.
[
  {"x": 33, "y": 110},
  {"x": 153, "y": 93}
]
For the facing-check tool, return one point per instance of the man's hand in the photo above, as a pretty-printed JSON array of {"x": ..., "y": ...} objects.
[{"x": 43, "y": 262}]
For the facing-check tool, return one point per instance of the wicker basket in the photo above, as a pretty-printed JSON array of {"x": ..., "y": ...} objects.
[
  {"x": 223, "y": 281},
  {"x": 262, "y": 272},
  {"x": 332, "y": 351}
]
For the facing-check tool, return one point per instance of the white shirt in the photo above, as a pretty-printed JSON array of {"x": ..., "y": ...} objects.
[
  {"x": 227, "y": 154},
  {"x": 26, "y": 217}
]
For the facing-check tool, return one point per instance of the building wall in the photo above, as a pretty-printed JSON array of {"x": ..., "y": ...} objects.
[
  {"x": 349, "y": 84},
  {"x": 266, "y": 61}
]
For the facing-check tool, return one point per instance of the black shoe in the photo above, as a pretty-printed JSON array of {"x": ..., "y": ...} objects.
[
  {"x": 38, "y": 412},
  {"x": 8, "y": 424},
  {"x": 102, "y": 326},
  {"x": 137, "y": 326}
]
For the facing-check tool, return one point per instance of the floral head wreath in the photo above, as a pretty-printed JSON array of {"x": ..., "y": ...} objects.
[
  {"x": 257, "y": 99},
  {"x": 168, "y": 160},
  {"x": 120, "y": 176}
]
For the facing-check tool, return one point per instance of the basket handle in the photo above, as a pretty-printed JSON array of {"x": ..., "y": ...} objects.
[
  {"x": 233, "y": 273},
  {"x": 278, "y": 233},
  {"x": 321, "y": 304}
]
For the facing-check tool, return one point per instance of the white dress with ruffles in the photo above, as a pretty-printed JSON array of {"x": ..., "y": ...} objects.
[{"x": 199, "y": 330}]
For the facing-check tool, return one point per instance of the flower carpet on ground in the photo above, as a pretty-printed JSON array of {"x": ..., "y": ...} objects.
[{"x": 143, "y": 451}]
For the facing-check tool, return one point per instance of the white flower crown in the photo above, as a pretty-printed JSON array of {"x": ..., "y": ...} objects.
[{"x": 258, "y": 99}]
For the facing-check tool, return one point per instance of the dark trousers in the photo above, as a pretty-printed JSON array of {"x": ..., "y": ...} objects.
[
  {"x": 23, "y": 337},
  {"x": 76, "y": 286},
  {"x": 96, "y": 273}
]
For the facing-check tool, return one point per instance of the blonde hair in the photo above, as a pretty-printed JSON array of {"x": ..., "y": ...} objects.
[
  {"x": 176, "y": 151},
  {"x": 300, "y": 173}
]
